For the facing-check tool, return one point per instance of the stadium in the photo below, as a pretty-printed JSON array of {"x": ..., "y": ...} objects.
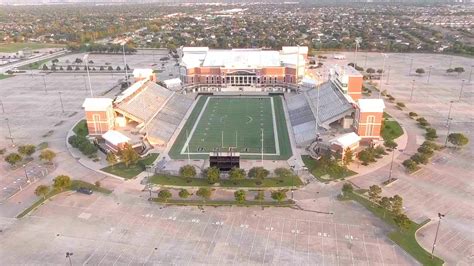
[{"x": 252, "y": 104}]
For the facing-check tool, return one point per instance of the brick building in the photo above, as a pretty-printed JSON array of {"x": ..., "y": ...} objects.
[{"x": 99, "y": 115}]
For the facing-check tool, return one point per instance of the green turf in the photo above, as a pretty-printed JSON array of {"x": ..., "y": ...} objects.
[
  {"x": 169, "y": 180},
  {"x": 391, "y": 129},
  {"x": 15, "y": 47},
  {"x": 234, "y": 122},
  {"x": 133, "y": 170},
  {"x": 3, "y": 76},
  {"x": 404, "y": 238}
]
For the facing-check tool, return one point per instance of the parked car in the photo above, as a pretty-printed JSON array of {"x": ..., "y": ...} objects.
[{"x": 84, "y": 190}]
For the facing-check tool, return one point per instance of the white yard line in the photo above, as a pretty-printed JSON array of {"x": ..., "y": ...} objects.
[
  {"x": 275, "y": 130},
  {"x": 194, "y": 126}
]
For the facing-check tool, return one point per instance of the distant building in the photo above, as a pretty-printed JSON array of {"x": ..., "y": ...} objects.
[{"x": 205, "y": 69}]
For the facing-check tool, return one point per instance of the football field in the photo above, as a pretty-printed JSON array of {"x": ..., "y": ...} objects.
[{"x": 245, "y": 124}]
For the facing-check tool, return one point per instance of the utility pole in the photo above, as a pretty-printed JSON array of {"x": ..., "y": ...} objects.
[
  {"x": 412, "y": 87},
  {"x": 447, "y": 134},
  {"x": 61, "y": 100},
  {"x": 440, "y": 216},
  {"x": 462, "y": 87},
  {"x": 429, "y": 75}
]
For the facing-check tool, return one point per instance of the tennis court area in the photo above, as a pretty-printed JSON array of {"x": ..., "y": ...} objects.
[{"x": 245, "y": 124}]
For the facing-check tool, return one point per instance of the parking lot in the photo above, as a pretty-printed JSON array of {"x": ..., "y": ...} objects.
[{"x": 105, "y": 230}]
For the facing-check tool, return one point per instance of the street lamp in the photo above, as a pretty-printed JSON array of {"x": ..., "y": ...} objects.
[
  {"x": 391, "y": 164},
  {"x": 440, "y": 216},
  {"x": 125, "y": 61},
  {"x": 381, "y": 76},
  {"x": 68, "y": 256},
  {"x": 61, "y": 100},
  {"x": 86, "y": 58},
  {"x": 429, "y": 75},
  {"x": 447, "y": 134},
  {"x": 412, "y": 87},
  {"x": 462, "y": 87},
  {"x": 44, "y": 84},
  {"x": 411, "y": 65},
  {"x": 449, "y": 112},
  {"x": 388, "y": 75},
  {"x": 10, "y": 131}
]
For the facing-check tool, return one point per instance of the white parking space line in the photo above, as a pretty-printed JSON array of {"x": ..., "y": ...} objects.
[
  {"x": 253, "y": 239},
  {"x": 269, "y": 229}
]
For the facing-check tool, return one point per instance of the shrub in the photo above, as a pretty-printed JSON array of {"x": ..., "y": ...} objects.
[
  {"x": 412, "y": 114},
  {"x": 239, "y": 196},
  {"x": 183, "y": 193},
  {"x": 425, "y": 150},
  {"x": 260, "y": 195},
  {"x": 400, "y": 104},
  {"x": 391, "y": 98},
  {"x": 390, "y": 144},
  {"x": 97, "y": 183},
  {"x": 258, "y": 173},
  {"x": 187, "y": 171},
  {"x": 279, "y": 195},
  {"x": 422, "y": 122},
  {"x": 380, "y": 150},
  {"x": 431, "y": 145},
  {"x": 13, "y": 158},
  {"x": 204, "y": 193},
  {"x": 27, "y": 150},
  {"x": 347, "y": 187},
  {"x": 431, "y": 134},
  {"x": 410, "y": 165},
  {"x": 367, "y": 156},
  {"x": 420, "y": 158},
  {"x": 458, "y": 139},
  {"x": 164, "y": 194}
]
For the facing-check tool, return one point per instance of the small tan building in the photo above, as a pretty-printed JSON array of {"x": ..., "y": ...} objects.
[{"x": 115, "y": 140}]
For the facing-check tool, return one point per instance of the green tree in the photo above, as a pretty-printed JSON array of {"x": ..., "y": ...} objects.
[
  {"x": 348, "y": 156},
  {"x": 284, "y": 172},
  {"x": 27, "y": 150},
  {"x": 164, "y": 194},
  {"x": 239, "y": 196},
  {"x": 183, "y": 193},
  {"x": 187, "y": 171},
  {"x": 397, "y": 204},
  {"x": 370, "y": 70},
  {"x": 97, "y": 183},
  {"x": 236, "y": 173},
  {"x": 375, "y": 193},
  {"x": 347, "y": 188},
  {"x": 431, "y": 134},
  {"x": 213, "y": 175},
  {"x": 111, "y": 158},
  {"x": 278, "y": 195},
  {"x": 42, "y": 191},
  {"x": 47, "y": 155},
  {"x": 61, "y": 182},
  {"x": 449, "y": 70},
  {"x": 258, "y": 173},
  {"x": 386, "y": 204},
  {"x": 204, "y": 193},
  {"x": 420, "y": 158},
  {"x": 402, "y": 221},
  {"x": 458, "y": 139},
  {"x": 13, "y": 158},
  {"x": 128, "y": 155},
  {"x": 420, "y": 71}
]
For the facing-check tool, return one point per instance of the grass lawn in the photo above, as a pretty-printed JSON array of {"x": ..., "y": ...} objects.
[
  {"x": 391, "y": 129},
  {"x": 404, "y": 238},
  {"x": 81, "y": 129},
  {"x": 216, "y": 203},
  {"x": 322, "y": 168},
  {"x": 75, "y": 184},
  {"x": 169, "y": 180},
  {"x": 220, "y": 123},
  {"x": 15, "y": 47},
  {"x": 38, "y": 64},
  {"x": 132, "y": 170},
  {"x": 3, "y": 76}
]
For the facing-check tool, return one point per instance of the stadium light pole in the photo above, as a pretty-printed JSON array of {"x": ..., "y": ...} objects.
[
  {"x": 412, "y": 87},
  {"x": 440, "y": 216},
  {"x": 86, "y": 58},
  {"x": 358, "y": 40},
  {"x": 388, "y": 75},
  {"x": 125, "y": 61},
  {"x": 381, "y": 76}
]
